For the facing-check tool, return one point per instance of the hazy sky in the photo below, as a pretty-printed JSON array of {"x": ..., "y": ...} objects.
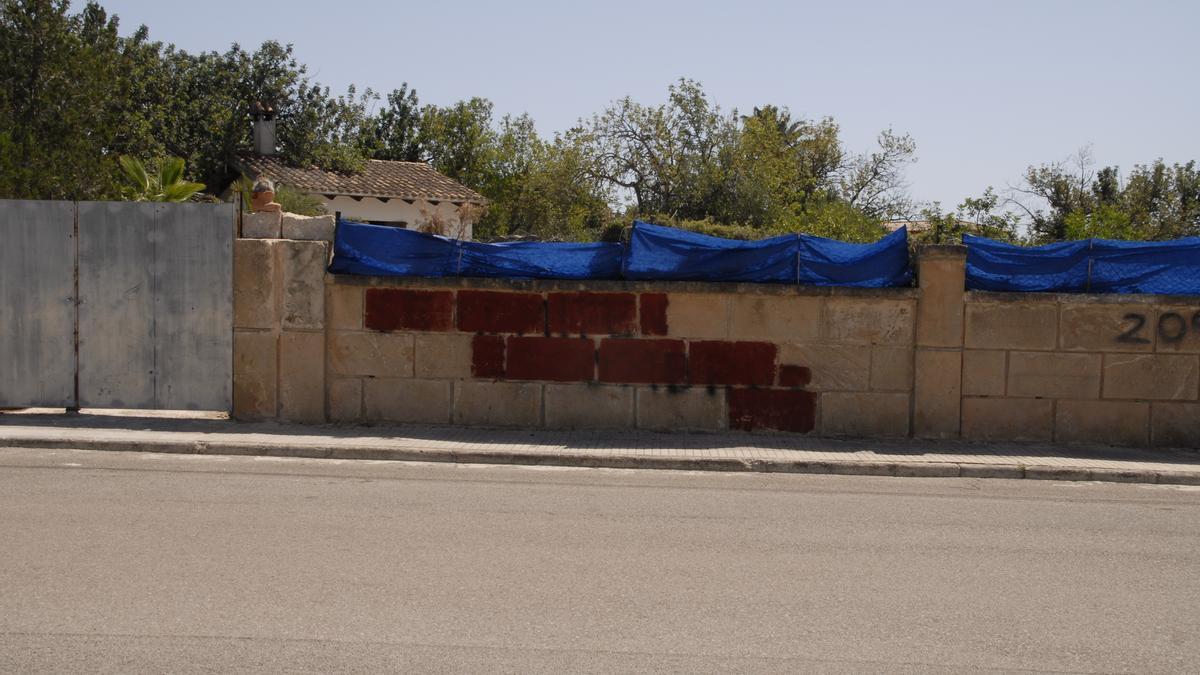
[{"x": 985, "y": 88}]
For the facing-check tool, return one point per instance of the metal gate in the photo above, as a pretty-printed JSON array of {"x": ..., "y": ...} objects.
[{"x": 116, "y": 305}]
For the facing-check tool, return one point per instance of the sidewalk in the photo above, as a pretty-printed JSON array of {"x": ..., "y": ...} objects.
[{"x": 156, "y": 432}]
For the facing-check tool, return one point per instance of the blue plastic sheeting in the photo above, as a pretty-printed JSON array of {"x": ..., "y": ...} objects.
[
  {"x": 666, "y": 253},
  {"x": 538, "y": 260},
  {"x": 1088, "y": 266},
  {"x": 828, "y": 262},
  {"x": 391, "y": 251}
]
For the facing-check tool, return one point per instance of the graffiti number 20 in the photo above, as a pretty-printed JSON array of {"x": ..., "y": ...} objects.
[{"x": 1172, "y": 328}]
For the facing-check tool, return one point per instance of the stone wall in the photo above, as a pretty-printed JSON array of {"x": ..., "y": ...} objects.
[{"x": 930, "y": 362}]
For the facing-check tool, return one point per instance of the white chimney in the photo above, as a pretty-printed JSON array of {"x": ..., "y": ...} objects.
[{"x": 264, "y": 128}]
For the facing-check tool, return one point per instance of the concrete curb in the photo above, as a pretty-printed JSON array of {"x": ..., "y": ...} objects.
[{"x": 570, "y": 459}]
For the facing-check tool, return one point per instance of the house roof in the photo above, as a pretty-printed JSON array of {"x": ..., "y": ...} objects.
[{"x": 380, "y": 178}]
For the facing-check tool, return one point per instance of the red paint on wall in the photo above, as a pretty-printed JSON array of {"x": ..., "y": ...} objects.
[
  {"x": 643, "y": 361},
  {"x": 592, "y": 313},
  {"x": 653, "y": 313},
  {"x": 498, "y": 312},
  {"x": 487, "y": 356},
  {"x": 390, "y": 309},
  {"x": 554, "y": 359},
  {"x": 794, "y": 376},
  {"x": 779, "y": 409},
  {"x": 717, "y": 362}
]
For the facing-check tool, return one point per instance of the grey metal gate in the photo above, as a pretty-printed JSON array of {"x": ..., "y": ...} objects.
[{"x": 116, "y": 305}]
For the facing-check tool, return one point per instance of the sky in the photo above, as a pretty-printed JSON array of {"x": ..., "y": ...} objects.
[{"x": 985, "y": 88}]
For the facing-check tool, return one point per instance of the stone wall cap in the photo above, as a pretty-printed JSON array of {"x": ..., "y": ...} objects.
[
  {"x": 1082, "y": 298},
  {"x": 942, "y": 251},
  {"x": 617, "y": 285}
]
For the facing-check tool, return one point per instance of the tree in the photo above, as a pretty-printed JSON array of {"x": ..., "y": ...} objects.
[
  {"x": 163, "y": 183},
  {"x": 57, "y": 113},
  {"x": 1070, "y": 200},
  {"x": 395, "y": 132}
]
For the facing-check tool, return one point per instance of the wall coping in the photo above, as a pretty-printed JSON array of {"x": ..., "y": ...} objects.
[
  {"x": 1081, "y": 298},
  {"x": 616, "y": 285},
  {"x": 934, "y": 251}
]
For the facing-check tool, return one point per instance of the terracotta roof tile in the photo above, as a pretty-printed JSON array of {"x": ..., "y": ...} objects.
[{"x": 380, "y": 178}]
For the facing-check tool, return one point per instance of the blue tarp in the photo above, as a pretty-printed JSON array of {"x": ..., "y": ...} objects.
[
  {"x": 654, "y": 252},
  {"x": 1090, "y": 265},
  {"x": 379, "y": 250},
  {"x": 657, "y": 252},
  {"x": 391, "y": 251},
  {"x": 828, "y": 262},
  {"x": 538, "y": 260}
]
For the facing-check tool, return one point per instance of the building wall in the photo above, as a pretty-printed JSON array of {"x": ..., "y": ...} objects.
[
  {"x": 415, "y": 215},
  {"x": 931, "y": 362}
]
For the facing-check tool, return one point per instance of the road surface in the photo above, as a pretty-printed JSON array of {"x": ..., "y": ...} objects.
[{"x": 128, "y": 562}]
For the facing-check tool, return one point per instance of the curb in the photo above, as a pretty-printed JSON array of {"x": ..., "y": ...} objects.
[{"x": 567, "y": 459}]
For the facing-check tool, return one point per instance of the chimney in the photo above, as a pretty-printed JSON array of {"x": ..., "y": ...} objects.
[{"x": 264, "y": 128}]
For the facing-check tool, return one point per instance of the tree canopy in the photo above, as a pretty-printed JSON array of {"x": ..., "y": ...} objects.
[{"x": 76, "y": 95}]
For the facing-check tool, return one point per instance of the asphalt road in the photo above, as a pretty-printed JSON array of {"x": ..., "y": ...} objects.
[{"x": 116, "y": 562}]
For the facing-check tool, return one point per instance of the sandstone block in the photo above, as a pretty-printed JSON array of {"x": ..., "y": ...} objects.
[
  {"x": 681, "y": 408},
  {"x": 834, "y": 367},
  {"x": 372, "y": 354},
  {"x": 937, "y": 393},
  {"x": 498, "y": 404},
  {"x": 772, "y": 409},
  {"x": 1106, "y": 422},
  {"x": 582, "y": 406},
  {"x": 869, "y": 321},
  {"x": 344, "y": 306},
  {"x": 1011, "y": 325},
  {"x": 254, "y": 375},
  {"x": 500, "y": 312},
  {"x": 1175, "y": 425},
  {"x": 312, "y": 228},
  {"x": 722, "y": 362},
  {"x": 261, "y": 225},
  {"x": 302, "y": 266},
  {"x": 302, "y": 377},
  {"x": 586, "y": 313},
  {"x": 445, "y": 356},
  {"x": 652, "y": 313},
  {"x": 406, "y": 400},
  {"x": 940, "y": 303},
  {"x": 891, "y": 368},
  {"x": 398, "y": 309},
  {"x": 253, "y": 283},
  {"x": 643, "y": 361},
  {"x": 1164, "y": 377},
  {"x": 569, "y": 359},
  {"x": 983, "y": 372},
  {"x": 345, "y": 399},
  {"x": 775, "y": 318},
  {"x": 1008, "y": 419},
  {"x": 864, "y": 414},
  {"x": 698, "y": 315},
  {"x": 1098, "y": 328},
  {"x": 1053, "y": 375},
  {"x": 487, "y": 356},
  {"x": 1177, "y": 329}
]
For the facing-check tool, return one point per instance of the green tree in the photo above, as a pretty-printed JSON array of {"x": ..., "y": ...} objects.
[{"x": 164, "y": 181}]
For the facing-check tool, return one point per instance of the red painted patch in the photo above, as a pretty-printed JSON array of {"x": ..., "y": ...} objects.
[
  {"x": 715, "y": 362},
  {"x": 780, "y": 409},
  {"x": 592, "y": 313},
  {"x": 389, "y": 309},
  {"x": 653, "y": 313},
  {"x": 487, "y": 356},
  {"x": 794, "y": 376},
  {"x": 643, "y": 361},
  {"x": 555, "y": 359},
  {"x": 498, "y": 312}
]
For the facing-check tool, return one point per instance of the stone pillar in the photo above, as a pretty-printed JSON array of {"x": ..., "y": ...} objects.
[
  {"x": 937, "y": 368},
  {"x": 279, "y": 330}
]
